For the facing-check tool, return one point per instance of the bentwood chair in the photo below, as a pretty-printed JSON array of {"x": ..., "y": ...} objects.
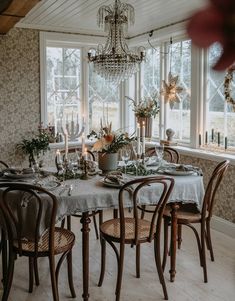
[
  {"x": 188, "y": 217},
  {"x": 131, "y": 229},
  {"x": 72, "y": 152},
  {"x": 3, "y": 165},
  {"x": 170, "y": 154},
  {"x": 26, "y": 209}
]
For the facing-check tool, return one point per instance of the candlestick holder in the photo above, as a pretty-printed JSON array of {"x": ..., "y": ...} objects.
[
  {"x": 84, "y": 175},
  {"x": 73, "y": 130}
]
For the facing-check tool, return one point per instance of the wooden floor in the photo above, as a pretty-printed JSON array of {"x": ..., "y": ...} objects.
[{"x": 188, "y": 286}]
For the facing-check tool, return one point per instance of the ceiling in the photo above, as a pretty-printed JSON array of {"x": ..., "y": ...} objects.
[{"x": 79, "y": 16}]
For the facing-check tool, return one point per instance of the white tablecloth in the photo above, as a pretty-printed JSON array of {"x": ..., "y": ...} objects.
[{"x": 88, "y": 195}]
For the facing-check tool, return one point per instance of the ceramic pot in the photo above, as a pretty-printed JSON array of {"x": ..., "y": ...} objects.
[{"x": 107, "y": 162}]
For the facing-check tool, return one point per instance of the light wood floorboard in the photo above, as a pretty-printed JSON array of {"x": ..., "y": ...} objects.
[{"x": 188, "y": 286}]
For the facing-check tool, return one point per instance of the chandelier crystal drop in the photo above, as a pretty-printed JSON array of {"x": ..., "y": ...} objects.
[{"x": 114, "y": 61}]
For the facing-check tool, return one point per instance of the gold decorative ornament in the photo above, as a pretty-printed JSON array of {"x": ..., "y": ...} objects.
[
  {"x": 171, "y": 90},
  {"x": 227, "y": 87}
]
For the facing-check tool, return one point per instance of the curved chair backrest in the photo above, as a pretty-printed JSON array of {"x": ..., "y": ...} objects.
[
  {"x": 28, "y": 210},
  {"x": 212, "y": 187},
  {"x": 73, "y": 151},
  {"x": 161, "y": 187},
  {"x": 173, "y": 155},
  {"x": 3, "y": 165}
]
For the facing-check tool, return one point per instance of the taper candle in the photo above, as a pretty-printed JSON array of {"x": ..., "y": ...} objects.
[
  {"x": 218, "y": 138},
  {"x": 212, "y": 135},
  {"x": 200, "y": 139},
  {"x": 138, "y": 139},
  {"x": 206, "y": 138},
  {"x": 143, "y": 138},
  {"x": 226, "y": 143}
]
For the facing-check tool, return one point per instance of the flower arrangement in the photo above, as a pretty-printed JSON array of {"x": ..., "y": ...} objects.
[
  {"x": 33, "y": 147},
  {"x": 109, "y": 141},
  {"x": 146, "y": 107}
]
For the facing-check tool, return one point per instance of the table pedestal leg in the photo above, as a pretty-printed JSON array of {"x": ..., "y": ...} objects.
[
  {"x": 85, "y": 221},
  {"x": 174, "y": 208}
]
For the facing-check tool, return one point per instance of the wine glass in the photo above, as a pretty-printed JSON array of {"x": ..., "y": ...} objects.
[
  {"x": 125, "y": 155},
  {"x": 137, "y": 157},
  {"x": 159, "y": 149}
]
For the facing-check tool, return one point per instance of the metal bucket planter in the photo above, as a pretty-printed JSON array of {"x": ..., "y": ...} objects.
[{"x": 107, "y": 162}]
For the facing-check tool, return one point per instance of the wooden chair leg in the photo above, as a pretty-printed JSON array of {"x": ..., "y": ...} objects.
[
  {"x": 165, "y": 248},
  {"x": 54, "y": 286},
  {"x": 95, "y": 225},
  {"x": 70, "y": 274},
  {"x": 103, "y": 260},
  {"x": 179, "y": 236},
  {"x": 115, "y": 213},
  {"x": 4, "y": 257},
  {"x": 120, "y": 271},
  {"x": 159, "y": 266},
  {"x": 138, "y": 261},
  {"x": 35, "y": 263},
  {"x": 31, "y": 259},
  {"x": 9, "y": 277},
  {"x": 208, "y": 232},
  {"x": 203, "y": 252}
]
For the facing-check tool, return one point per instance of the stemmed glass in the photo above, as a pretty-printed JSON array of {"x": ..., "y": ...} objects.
[
  {"x": 125, "y": 155},
  {"x": 137, "y": 159},
  {"x": 159, "y": 152}
]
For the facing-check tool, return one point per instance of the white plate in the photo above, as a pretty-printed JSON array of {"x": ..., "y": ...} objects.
[
  {"x": 174, "y": 172},
  {"x": 18, "y": 176},
  {"x": 50, "y": 185},
  {"x": 110, "y": 184}
]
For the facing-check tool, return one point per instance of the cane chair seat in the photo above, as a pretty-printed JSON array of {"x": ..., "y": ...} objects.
[
  {"x": 111, "y": 228},
  {"x": 183, "y": 216},
  {"x": 63, "y": 241}
]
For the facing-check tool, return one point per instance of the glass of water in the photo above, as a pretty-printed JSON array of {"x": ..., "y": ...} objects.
[
  {"x": 159, "y": 152},
  {"x": 125, "y": 155}
]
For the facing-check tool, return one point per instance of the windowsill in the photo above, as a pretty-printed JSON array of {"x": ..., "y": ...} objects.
[{"x": 199, "y": 153}]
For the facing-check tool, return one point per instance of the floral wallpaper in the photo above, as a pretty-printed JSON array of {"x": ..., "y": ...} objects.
[
  {"x": 19, "y": 89},
  {"x": 20, "y": 111}
]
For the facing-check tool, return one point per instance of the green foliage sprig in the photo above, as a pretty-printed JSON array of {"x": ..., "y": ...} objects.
[{"x": 146, "y": 107}]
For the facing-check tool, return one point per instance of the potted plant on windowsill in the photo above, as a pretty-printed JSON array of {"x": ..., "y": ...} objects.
[
  {"x": 35, "y": 146},
  {"x": 145, "y": 110},
  {"x": 107, "y": 145}
]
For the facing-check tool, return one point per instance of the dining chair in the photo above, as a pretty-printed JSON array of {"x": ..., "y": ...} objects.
[
  {"x": 3, "y": 165},
  {"x": 131, "y": 229},
  {"x": 93, "y": 214},
  {"x": 26, "y": 209},
  {"x": 171, "y": 154},
  {"x": 188, "y": 217}
]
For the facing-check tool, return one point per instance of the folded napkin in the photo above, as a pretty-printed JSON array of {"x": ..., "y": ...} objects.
[
  {"x": 182, "y": 167},
  {"x": 115, "y": 177}
]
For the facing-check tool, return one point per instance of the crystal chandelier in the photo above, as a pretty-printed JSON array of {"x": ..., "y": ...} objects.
[{"x": 115, "y": 62}]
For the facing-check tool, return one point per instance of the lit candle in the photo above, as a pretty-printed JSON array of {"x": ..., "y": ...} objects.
[
  {"x": 83, "y": 143},
  {"x": 138, "y": 139},
  {"x": 212, "y": 135},
  {"x": 218, "y": 138},
  {"x": 200, "y": 139},
  {"x": 85, "y": 153},
  {"x": 58, "y": 158},
  {"x": 225, "y": 143},
  {"x": 143, "y": 138},
  {"x": 66, "y": 144},
  {"x": 206, "y": 139}
]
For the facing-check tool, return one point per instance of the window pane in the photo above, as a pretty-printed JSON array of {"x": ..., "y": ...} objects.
[
  {"x": 151, "y": 80},
  {"x": 220, "y": 116},
  {"x": 180, "y": 64},
  {"x": 104, "y": 102},
  {"x": 63, "y": 87}
]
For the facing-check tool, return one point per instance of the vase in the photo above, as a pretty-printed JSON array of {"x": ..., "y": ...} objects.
[
  {"x": 107, "y": 161},
  {"x": 148, "y": 122}
]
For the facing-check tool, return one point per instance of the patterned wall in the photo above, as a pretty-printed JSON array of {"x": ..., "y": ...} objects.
[
  {"x": 20, "y": 110},
  {"x": 19, "y": 89}
]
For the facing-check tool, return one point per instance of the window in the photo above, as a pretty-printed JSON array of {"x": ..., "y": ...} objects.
[
  {"x": 63, "y": 86},
  {"x": 220, "y": 116},
  {"x": 104, "y": 102},
  {"x": 178, "y": 58},
  {"x": 178, "y": 118},
  {"x": 152, "y": 80}
]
